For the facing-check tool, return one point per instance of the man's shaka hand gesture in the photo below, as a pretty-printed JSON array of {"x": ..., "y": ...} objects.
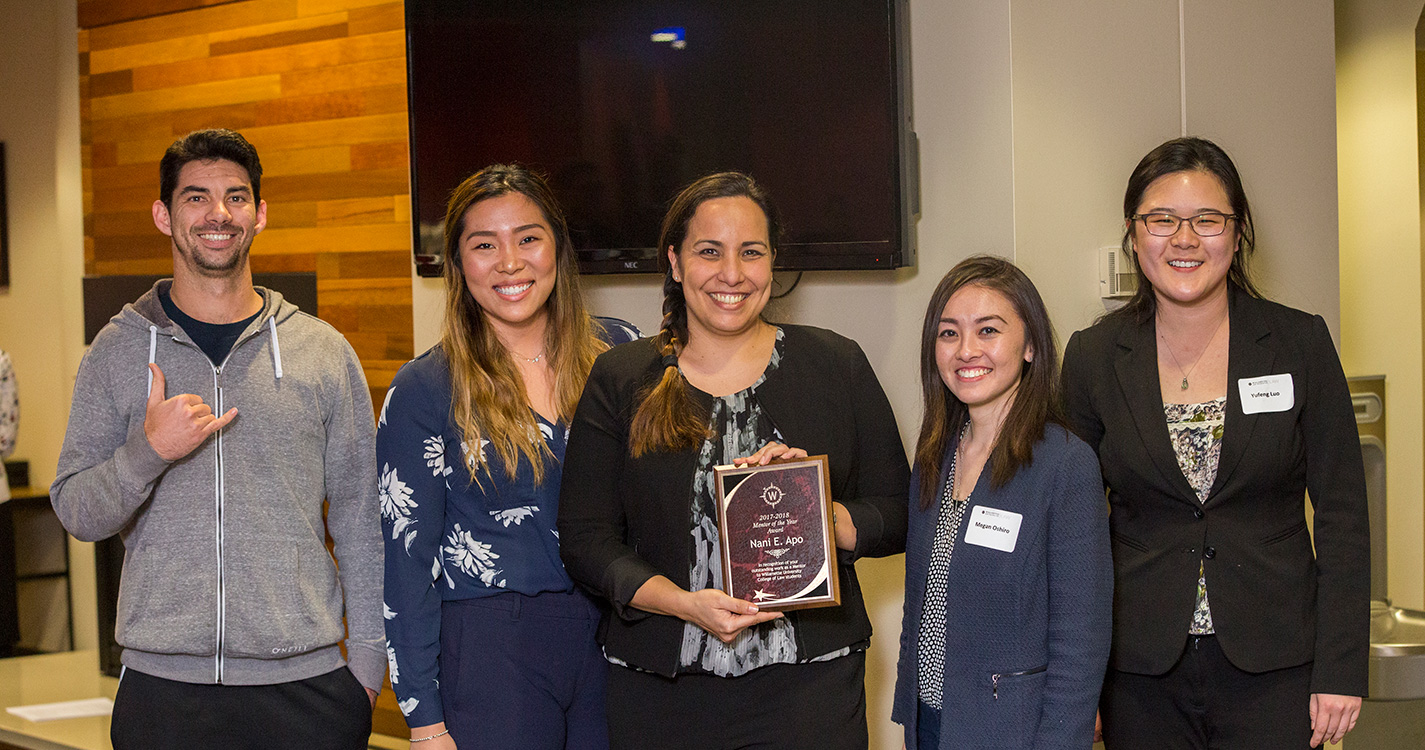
[{"x": 176, "y": 426}]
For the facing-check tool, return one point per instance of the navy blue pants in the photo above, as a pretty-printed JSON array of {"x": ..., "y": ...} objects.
[
  {"x": 813, "y": 706},
  {"x": 1206, "y": 702},
  {"x": 326, "y": 712},
  {"x": 523, "y": 673},
  {"x": 927, "y": 727}
]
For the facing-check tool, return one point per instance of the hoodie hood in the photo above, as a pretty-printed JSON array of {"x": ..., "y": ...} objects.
[{"x": 147, "y": 313}]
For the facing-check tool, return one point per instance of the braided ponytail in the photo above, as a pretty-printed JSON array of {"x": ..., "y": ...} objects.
[{"x": 668, "y": 419}]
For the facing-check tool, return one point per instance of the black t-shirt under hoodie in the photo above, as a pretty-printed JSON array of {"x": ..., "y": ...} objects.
[{"x": 215, "y": 339}]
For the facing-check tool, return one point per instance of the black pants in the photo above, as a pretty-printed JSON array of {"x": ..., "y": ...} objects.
[
  {"x": 819, "y": 705},
  {"x": 1206, "y": 702},
  {"x": 327, "y": 712}
]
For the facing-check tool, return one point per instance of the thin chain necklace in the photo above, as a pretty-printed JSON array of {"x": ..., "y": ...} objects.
[
  {"x": 1199, "y": 354},
  {"x": 532, "y": 360}
]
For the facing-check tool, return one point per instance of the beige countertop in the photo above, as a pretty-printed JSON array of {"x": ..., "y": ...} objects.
[{"x": 49, "y": 678}]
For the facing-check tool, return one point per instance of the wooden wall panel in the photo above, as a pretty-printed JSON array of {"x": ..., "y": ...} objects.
[{"x": 319, "y": 87}]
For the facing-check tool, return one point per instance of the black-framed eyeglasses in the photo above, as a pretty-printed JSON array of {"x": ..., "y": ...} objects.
[{"x": 1206, "y": 224}]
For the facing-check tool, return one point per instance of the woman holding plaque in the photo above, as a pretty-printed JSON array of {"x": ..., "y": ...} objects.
[
  {"x": 1009, "y": 584},
  {"x": 695, "y": 667},
  {"x": 1215, "y": 413},
  {"x": 489, "y": 642}
]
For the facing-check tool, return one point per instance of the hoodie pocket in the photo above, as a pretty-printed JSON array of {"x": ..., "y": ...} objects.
[
  {"x": 282, "y": 603},
  {"x": 168, "y": 600}
]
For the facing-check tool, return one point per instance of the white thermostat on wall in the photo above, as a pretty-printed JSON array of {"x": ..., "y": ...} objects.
[{"x": 1116, "y": 279}]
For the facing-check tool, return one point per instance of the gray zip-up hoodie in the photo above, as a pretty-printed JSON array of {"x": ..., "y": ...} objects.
[{"x": 227, "y": 578}]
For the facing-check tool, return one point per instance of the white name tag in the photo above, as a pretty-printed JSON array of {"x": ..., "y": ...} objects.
[
  {"x": 996, "y": 529},
  {"x": 1266, "y": 394}
]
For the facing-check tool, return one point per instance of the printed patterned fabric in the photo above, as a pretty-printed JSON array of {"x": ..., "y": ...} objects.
[
  {"x": 740, "y": 428},
  {"x": 9, "y": 417},
  {"x": 450, "y": 538},
  {"x": 931, "y": 668},
  {"x": 1196, "y": 433}
]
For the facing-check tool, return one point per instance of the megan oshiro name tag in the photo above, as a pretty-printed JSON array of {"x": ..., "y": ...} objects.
[
  {"x": 1266, "y": 394},
  {"x": 996, "y": 529}
]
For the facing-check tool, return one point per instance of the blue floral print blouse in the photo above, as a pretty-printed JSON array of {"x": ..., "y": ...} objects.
[{"x": 448, "y": 538}]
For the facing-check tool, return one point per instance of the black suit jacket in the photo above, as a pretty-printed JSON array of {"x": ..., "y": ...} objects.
[
  {"x": 623, "y": 520},
  {"x": 1274, "y": 603}
]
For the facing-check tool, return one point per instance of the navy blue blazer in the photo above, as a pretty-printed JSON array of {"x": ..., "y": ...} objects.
[
  {"x": 1275, "y": 604},
  {"x": 1027, "y": 631}
]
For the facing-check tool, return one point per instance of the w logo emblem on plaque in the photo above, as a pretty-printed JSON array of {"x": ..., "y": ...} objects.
[{"x": 771, "y": 495}]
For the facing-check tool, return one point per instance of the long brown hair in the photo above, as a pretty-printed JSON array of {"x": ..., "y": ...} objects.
[
  {"x": 1189, "y": 154},
  {"x": 668, "y": 419},
  {"x": 1036, "y": 402},
  {"x": 488, "y": 397}
]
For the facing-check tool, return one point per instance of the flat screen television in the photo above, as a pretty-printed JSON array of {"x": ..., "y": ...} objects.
[{"x": 622, "y": 102}]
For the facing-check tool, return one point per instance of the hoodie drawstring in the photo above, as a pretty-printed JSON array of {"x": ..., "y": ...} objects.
[
  {"x": 276, "y": 350},
  {"x": 152, "y": 349}
]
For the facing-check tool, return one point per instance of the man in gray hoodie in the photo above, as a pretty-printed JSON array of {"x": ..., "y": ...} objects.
[{"x": 210, "y": 420}]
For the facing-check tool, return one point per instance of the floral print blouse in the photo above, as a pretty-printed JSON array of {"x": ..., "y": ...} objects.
[
  {"x": 740, "y": 427},
  {"x": 9, "y": 418},
  {"x": 448, "y": 538},
  {"x": 1196, "y": 434}
]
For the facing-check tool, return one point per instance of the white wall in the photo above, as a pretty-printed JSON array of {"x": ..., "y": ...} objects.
[
  {"x": 1031, "y": 114},
  {"x": 41, "y": 313}
]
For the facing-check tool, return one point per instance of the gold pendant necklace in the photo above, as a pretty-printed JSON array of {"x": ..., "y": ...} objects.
[{"x": 1200, "y": 354}]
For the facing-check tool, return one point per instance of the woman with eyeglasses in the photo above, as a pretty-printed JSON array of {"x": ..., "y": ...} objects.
[{"x": 1214, "y": 412}]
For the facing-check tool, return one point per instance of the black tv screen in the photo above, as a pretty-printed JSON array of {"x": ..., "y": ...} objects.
[{"x": 622, "y": 102}]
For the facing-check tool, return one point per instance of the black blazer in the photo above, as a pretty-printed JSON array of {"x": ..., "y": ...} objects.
[
  {"x": 1274, "y": 603},
  {"x": 623, "y": 520}
]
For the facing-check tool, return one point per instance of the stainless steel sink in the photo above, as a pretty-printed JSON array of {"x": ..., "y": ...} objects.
[{"x": 1397, "y": 662}]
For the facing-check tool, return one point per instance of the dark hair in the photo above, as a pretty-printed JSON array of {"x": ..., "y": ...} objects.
[
  {"x": 1190, "y": 154},
  {"x": 488, "y": 396},
  {"x": 208, "y": 145},
  {"x": 667, "y": 417},
  {"x": 1036, "y": 403}
]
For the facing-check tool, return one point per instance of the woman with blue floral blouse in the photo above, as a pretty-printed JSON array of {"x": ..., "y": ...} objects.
[{"x": 490, "y": 644}]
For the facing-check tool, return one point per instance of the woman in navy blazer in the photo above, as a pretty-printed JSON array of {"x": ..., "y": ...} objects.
[
  {"x": 1009, "y": 584},
  {"x": 1213, "y": 411}
]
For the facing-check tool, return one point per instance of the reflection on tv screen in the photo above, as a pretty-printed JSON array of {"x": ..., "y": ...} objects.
[{"x": 622, "y": 102}]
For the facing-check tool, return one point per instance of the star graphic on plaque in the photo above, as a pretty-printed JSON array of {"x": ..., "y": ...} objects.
[{"x": 759, "y": 595}]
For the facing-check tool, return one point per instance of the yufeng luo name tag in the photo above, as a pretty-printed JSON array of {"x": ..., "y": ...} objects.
[
  {"x": 774, "y": 528},
  {"x": 993, "y": 528},
  {"x": 1266, "y": 394}
]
